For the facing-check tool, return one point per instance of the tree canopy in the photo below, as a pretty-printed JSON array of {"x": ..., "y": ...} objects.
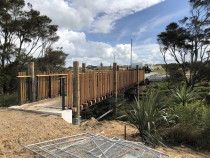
[
  {"x": 53, "y": 60},
  {"x": 23, "y": 31},
  {"x": 188, "y": 41}
]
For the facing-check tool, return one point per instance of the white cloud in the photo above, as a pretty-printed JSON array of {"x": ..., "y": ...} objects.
[
  {"x": 150, "y": 53},
  {"x": 78, "y": 48},
  {"x": 98, "y": 16},
  {"x": 154, "y": 22},
  {"x": 95, "y": 15}
]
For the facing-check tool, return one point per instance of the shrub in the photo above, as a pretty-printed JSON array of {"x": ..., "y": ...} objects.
[
  {"x": 7, "y": 100},
  {"x": 148, "y": 115},
  {"x": 203, "y": 93},
  {"x": 178, "y": 134},
  {"x": 192, "y": 115},
  {"x": 193, "y": 127},
  {"x": 204, "y": 136},
  {"x": 175, "y": 73}
]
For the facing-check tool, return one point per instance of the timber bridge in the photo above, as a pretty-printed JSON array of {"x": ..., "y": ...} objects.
[{"x": 78, "y": 89}]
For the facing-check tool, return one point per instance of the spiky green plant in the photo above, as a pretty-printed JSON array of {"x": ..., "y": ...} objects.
[
  {"x": 183, "y": 95},
  {"x": 148, "y": 115}
]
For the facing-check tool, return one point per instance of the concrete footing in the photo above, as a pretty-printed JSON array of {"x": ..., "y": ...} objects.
[{"x": 67, "y": 115}]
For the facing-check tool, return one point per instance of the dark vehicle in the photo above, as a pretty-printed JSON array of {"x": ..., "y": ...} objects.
[{"x": 147, "y": 69}]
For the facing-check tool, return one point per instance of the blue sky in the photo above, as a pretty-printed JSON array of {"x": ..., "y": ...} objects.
[
  {"x": 128, "y": 27},
  {"x": 94, "y": 31}
]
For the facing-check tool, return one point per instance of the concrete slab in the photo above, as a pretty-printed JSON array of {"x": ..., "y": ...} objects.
[{"x": 47, "y": 106}]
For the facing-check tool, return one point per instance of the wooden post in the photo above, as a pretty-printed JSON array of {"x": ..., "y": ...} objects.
[
  {"x": 118, "y": 67},
  {"x": 115, "y": 87},
  {"x": 115, "y": 80},
  {"x": 31, "y": 73},
  {"x": 137, "y": 72},
  {"x": 76, "y": 94},
  {"x": 83, "y": 67}
]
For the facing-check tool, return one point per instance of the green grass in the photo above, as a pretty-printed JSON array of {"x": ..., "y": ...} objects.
[{"x": 159, "y": 70}]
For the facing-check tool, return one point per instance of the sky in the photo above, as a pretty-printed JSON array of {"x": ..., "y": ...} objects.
[{"x": 95, "y": 31}]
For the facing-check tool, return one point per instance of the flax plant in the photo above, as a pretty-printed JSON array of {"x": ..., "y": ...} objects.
[
  {"x": 148, "y": 114},
  {"x": 183, "y": 95}
]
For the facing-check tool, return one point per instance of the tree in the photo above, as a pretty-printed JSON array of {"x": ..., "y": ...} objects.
[
  {"x": 101, "y": 65},
  {"x": 53, "y": 60},
  {"x": 188, "y": 41},
  {"x": 23, "y": 31}
]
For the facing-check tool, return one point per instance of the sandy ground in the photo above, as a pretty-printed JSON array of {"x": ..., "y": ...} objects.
[{"x": 18, "y": 128}]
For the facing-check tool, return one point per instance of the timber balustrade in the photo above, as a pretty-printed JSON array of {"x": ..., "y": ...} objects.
[{"x": 93, "y": 86}]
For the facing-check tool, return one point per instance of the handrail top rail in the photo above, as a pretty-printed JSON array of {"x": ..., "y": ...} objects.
[
  {"x": 23, "y": 76},
  {"x": 52, "y": 75},
  {"x": 65, "y": 74}
]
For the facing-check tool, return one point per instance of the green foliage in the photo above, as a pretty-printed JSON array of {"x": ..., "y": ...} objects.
[
  {"x": 22, "y": 32},
  {"x": 183, "y": 95},
  {"x": 8, "y": 75},
  {"x": 27, "y": 26},
  {"x": 192, "y": 110},
  {"x": 101, "y": 65},
  {"x": 187, "y": 42},
  {"x": 53, "y": 61},
  {"x": 191, "y": 115},
  {"x": 192, "y": 127},
  {"x": 204, "y": 74},
  {"x": 179, "y": 135},
  {"x": 204, "y": 136},
  {"x": 159, "y": 70},
  {"x": 203, "y": 93},
  {"x": 7, "y": 100},
  {"x": 175, "y": 73},
  {"x": 148, "y": 115}
]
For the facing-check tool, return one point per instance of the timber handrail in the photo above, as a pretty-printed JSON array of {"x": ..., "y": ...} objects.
[
  {"x": 52, "y": 75},
  {"x": 23, "y": 76}
]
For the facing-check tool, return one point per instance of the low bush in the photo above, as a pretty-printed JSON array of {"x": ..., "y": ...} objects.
[
  {"x": 179, "y": 135},
  {"x": 191, "y": 115},
  {"x": 203, "y": 140},
  {"x": 7, "y": 100},
  {"x": 203, "y": 93},
  {"x": 192, "y": 125}
]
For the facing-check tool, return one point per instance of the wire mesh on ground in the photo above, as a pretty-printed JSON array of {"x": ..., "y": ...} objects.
[{"x": 87, "y": 145}]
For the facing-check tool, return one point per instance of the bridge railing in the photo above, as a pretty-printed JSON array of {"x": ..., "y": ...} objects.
[
  {"x": 93, "y": 86},
  {"x": 24, "y": 88}
]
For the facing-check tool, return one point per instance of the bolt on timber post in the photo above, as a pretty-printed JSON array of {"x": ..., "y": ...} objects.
[
  {"x": 63, "y": 93},
  {"x": 31, "y": 73},
  {"x": 76, "y": 94},
  {"x": 115, "y": 87}
]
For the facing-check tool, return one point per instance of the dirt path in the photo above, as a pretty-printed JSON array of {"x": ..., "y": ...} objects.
[{"x": 18, "y": 128}]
